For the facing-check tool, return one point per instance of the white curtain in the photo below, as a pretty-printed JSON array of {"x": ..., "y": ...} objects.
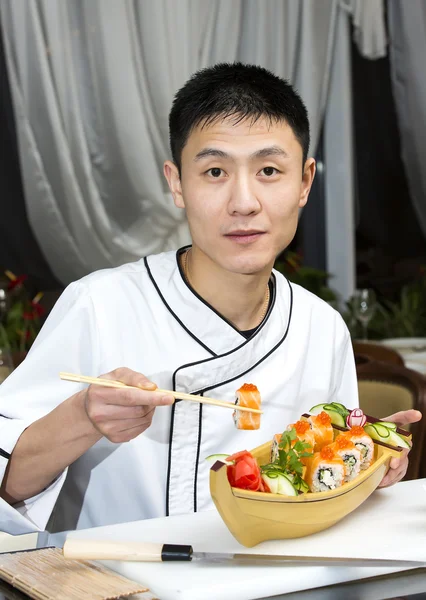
[
  {"x": 92, "y": 83},
  {"x": 407, "y": 49}
]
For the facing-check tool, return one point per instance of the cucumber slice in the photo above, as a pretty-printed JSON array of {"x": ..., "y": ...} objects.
[
  {"x": 398, "y": 440},
  {"x": 285, "y": 486},
  {"x": 393, "y": 438},
  {"x": 315, "y": 410},
  {"x": 378, "y": 432},
  {"x": 375, "y": 435},
  {"x": 214, "y": 457},
  {"x": 336, "y": 417},
  {"x": 387, "y": 424},
  {"x": 342, "y": 408},
  {"x": 302, "y": 487},
  {"x": 272, "y": 482}
]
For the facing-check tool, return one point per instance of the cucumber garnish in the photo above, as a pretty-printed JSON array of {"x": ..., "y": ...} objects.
[
  {"x": 315, "y": 410},
  {"x": 383, "y": 432},
  {"x": 387, "y": 424},
  {"x": 214, "y": 457}
]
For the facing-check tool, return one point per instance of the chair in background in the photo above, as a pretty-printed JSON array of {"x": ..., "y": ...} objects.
[
  {"x": 378, "y": 352},
  {"x": 385, "y": 389}
]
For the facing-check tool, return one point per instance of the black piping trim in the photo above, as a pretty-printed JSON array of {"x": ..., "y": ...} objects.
[
  {"x": 217, "y": 385},
  {"x": 201, "y": 299},
  {"x": 247, "y": 341},
  {"x": 259, "y": 361},
  {"x": 197, "y": 458},
  {"x": 173, "y": 313},
  {"x": 169, "y": 465},
  {"x": 4, "y": 454},
  {"x": 214, "y": 356}
]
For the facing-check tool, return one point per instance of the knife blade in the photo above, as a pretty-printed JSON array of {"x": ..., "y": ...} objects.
[{"x": 86, "y": 549}]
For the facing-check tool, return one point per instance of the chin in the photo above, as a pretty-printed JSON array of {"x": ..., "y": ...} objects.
[{"x": 247, "y": 267}]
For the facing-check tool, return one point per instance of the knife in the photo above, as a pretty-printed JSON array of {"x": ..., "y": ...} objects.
[{"x": 83, "y": 549}]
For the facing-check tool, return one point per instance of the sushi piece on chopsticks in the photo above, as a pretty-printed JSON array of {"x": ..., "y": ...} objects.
[
  {"x": 364, "y": 443},
  {"x": 325, "y": 471},
  {"x": 248, "y": 395},
  {"x": 350, "y": 454},
  {"x": 322, "y": 429}
]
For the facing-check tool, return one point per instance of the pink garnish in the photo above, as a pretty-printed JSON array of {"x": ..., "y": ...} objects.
[{"x": 356, "y": 418}]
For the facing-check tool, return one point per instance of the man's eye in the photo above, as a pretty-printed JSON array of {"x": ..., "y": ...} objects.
[
  {"x": 215, "y": 172},
  {"x": 269, "y": 171}
]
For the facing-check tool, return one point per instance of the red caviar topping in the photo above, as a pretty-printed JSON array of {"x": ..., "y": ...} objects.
[
  {"x": 301, "y": 427},
  {"x": 323, "y": 418},
  {"x": 343, "y": 442},
  {"x": 357, "y": 430},
  {"x": 248, "y": 387},
  {"x": 327, "y": 453}
]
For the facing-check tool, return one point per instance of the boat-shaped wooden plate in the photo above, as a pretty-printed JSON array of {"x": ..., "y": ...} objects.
[{"x": 254, "y": 517}]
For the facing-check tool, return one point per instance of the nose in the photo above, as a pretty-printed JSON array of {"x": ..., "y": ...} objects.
[{"x": 243, "y": 199}]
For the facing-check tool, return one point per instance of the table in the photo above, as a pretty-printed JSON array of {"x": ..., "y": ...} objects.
[
  {"x": 412, "y": 350},
  {"x": 390, "y": 524},
  {"x": 407, "y": 585}
]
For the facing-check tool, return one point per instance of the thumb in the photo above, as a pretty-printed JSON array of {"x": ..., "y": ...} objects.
[{"x": 404, "y": 417}]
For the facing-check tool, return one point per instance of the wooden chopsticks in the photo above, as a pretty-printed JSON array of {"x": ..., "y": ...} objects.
[{"x": 177, "y": 395}]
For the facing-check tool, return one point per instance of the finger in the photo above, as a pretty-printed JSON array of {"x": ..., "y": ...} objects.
[
  {"x": 130, "y": 377},
  {"x": 103, "y": 413},
  {"x": 125, "y": 435},
  {"x": 396, "y": 461},
  {"x": 121, "y": 426},
  {"x": 404, "y": 417},
  {"x": 394, "y": 475},
  {"x": 392, "y": 479},
  {"x": 131, "y": 397}
]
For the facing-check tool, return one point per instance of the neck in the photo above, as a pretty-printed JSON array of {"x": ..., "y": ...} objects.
[{"x": 240, "y": 298}]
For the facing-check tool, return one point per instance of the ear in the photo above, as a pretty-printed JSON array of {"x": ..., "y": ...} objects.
[
  {"x": 171, "y": 173},
  {"x": 307, "y": 180}
]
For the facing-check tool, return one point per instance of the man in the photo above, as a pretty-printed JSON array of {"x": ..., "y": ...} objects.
[{"x": 205, "y": 319}]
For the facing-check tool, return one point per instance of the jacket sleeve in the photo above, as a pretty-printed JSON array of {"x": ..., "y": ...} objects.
[
  {"x": 345, "y": 383},
  {"x": 68, "y": 341}
]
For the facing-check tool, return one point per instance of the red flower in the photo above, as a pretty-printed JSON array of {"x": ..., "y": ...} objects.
[
  {"x": 36, "y": 312},
  {"x": 245, "y": 472}
]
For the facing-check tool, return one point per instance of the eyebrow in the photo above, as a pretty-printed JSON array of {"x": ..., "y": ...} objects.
[{"x": 263, "y": 153}]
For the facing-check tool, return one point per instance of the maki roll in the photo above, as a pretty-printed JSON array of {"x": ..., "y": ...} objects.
[
  {"x": 322, "y": 430},
  {"x": 304, "y": 433},
  {"x": 275, "y": 447},
  {"x": 325, "y": 471},
  {"x": 350, "y": 454},
  {"x": 364, "y": 443},
  {"x": 248, "y": 395}
]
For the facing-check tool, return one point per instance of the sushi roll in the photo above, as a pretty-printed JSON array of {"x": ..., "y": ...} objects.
[
  {"x": 248, "y": 395},
  {"x": 350, "y": 454},
  {"x": 325, "y": 471},
  {"x": 364, "y": 443},
  {"x": 275, "y": 446},
  {"x": 322, "y": 430},
  {"x": 304, "y": 433}
]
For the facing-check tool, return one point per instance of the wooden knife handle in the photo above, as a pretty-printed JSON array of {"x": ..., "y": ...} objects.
[{"x": 134, "y": 551}]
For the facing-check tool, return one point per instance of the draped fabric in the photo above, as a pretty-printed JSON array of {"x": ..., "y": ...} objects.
[
  {"x": 407, "y": 49},
  {"x": 92, "y": 84}
]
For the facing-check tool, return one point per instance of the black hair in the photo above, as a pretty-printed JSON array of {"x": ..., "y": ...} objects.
[{"x": 235, "y": 90}]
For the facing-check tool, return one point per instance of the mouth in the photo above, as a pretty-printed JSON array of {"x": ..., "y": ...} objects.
[{"x": 244, "y": 236}]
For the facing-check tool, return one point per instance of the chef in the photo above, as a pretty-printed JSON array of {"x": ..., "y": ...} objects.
[{"x": 204, "y": 319}]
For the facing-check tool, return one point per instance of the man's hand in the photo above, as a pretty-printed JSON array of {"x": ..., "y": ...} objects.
[
  {"x": 122, "y": 414},
  {"x": 398, "y": 466}
]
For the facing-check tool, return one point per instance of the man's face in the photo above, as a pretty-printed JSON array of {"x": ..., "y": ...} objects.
[{"x": 242, "y": 187}]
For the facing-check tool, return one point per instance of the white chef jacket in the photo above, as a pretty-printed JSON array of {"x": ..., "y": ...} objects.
[{"x": 145, "y": 317}]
